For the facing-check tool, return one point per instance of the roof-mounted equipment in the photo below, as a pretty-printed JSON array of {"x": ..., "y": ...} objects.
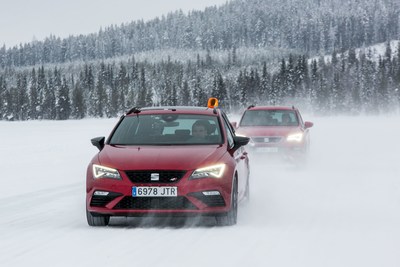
[{"x": 212, "y": 102}]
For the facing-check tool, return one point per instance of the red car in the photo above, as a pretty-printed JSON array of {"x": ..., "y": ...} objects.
[
  {"x": 276, "y": 130},
  {"x": 178, "y": 161}
]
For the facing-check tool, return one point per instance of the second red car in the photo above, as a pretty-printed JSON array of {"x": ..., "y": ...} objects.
[{"x": 276, "y": 131}]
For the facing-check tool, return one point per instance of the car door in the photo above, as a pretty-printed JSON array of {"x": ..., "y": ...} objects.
[{"x": 240, "y": 157}]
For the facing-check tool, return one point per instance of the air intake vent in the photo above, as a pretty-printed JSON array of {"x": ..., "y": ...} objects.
[
  {"x": 210, "y": 200},
  {"x": 155, "y": 203},
  {"x": 102, "y": 201},
  {"x": 155, "y": 176}
]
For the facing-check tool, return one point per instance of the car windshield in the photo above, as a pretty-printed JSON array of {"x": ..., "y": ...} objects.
[
  {"x": 167, "y": 129},
  {"x": 269, "y": 118}
]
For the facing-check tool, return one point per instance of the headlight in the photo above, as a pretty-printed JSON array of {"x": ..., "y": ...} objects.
[
  {"x": 215, "y": 171},
  {"x": 105, "y": 172},
  {"x": 297, "y": 137}
]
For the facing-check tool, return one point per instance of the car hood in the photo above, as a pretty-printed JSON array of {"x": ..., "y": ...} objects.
[
  {"x": 160, "y": 157},
  {"x": 267, "y": 131}
]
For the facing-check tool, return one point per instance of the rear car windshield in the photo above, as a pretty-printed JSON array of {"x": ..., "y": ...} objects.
[
  {"x": 167, "y": 129},
  {"x": 269, "y": 118}
]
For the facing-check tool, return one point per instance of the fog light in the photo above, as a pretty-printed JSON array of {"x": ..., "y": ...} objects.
[
  {"x": 211, "y": 193},
  {"x": 101, "y": 193}
]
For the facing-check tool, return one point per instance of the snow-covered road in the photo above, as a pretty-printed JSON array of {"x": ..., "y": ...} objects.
[{"x": 343, "y": 209}]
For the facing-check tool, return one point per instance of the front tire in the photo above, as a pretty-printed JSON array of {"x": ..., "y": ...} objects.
[
  {"x": 101, "y": 220},
  {"x": 231, "y": 217}
]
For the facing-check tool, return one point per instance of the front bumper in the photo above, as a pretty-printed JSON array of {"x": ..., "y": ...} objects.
[
  {"x": 192, "y": 198},
  {"x": 284, "y": 151}
]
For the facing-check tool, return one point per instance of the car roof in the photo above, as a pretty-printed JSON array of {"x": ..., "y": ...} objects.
[
  {"x": 272, "y": 108},
  {"x": 174, "y": 109}
]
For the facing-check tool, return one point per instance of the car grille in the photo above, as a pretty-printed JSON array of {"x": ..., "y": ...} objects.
[
  {"x": 155, "y": 203},
  {"x": 163, "y": 176},
  {"x": 271, "y": 139},
  {"x": 102, "y": 201},
  {"x": 210, "y": 201}
]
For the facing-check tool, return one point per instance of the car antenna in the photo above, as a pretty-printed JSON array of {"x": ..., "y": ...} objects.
[{"x": 251, "y": 106}]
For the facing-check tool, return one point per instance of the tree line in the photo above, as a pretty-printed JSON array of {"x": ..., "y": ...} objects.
[
  {"x": 352, "y": 82},
  {"x": 305, "y": 26}
]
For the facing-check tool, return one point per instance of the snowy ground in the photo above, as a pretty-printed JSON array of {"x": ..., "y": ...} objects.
[{"x": 342, "y": 210}]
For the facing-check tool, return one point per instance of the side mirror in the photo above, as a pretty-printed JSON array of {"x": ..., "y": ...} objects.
[
  {"x": 234, "y": 124},
  {"x": 98, "y": 142},
  {"x": 308, "y": 124},
  {"x": 240, "y": 141}
]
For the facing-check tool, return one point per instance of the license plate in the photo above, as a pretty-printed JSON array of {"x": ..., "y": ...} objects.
[
  {"x": 154, "y": 191},
  {"x": 267, "y": 149}
]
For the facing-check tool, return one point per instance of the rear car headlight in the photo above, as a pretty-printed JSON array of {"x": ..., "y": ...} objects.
[
  {"x": 105, "y": 172},
  {"x": 215, "y": 171},
  {"x": 297, "y": 137}
]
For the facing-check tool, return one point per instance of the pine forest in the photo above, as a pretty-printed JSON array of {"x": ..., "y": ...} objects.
[{"x": 327, "y": 57}]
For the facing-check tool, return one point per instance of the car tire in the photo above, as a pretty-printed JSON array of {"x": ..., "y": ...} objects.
[
  {"x": 231, "y": 217},
  {"x": 97, "y": 220}
]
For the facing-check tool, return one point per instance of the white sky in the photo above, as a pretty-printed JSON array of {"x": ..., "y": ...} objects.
[{"x": 22, "y": 21}]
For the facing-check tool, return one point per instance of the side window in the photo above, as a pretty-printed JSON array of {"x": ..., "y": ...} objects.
[
  {"x": 227, "y": 121},
  {"x": 300, "y": 118},
  {"x": 229, "y": 133}
]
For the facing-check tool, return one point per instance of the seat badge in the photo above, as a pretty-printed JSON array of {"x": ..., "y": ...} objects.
[{"x": 155, "y": 177}]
